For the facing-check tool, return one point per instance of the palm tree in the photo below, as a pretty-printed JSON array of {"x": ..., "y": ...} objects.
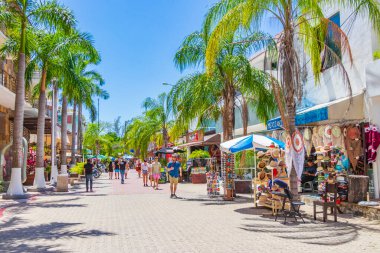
[
  {"x": 301, "y": 21},
  {"x": 89, "y": 84},
  {"x": 157, "y": 110},
  {"x": 50, "y": 47},
  {"x": 25, "y": 13},
  {"x": 209, "y": 96},
  {"x": 80, "y": 85}
]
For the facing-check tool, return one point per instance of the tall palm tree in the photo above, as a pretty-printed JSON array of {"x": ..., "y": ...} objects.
[
  {"x": 25, "y": 13},
  {"x": 158, "y": 110},
  {"x": 50, "y": 47},
  {"x": 201, "y": 95},
  {"x": 79, "y": 85},
  {"x": 301, "y": 21}
]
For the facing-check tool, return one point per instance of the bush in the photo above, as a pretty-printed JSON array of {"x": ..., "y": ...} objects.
[
  {"x": 1, "y": 186},
  {"x": 376, "y": 55},
  {"x": 199, "y": 154},
  {"x": 78, "y": 169}
]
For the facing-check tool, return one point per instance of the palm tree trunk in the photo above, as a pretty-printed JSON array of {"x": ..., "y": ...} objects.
[
  {"x": 290, "y": 84},
  {"x": 74, "y": 134},
  {"x": 39, "y": 178},
  {"x": 245, "y": 115},
  {"x": 54, "y": 168},
  {"x": 64, "y": 135},
  {"x": 80, "y": 134},
  {"x": 229, "y": 113},
  {"x": 165, "y": 137}
]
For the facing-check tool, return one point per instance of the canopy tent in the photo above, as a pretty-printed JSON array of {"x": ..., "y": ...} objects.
[
  {"x": 249, "y": 142},
  {"x": 253, "y": 141},
  {"x": 128, "y": 156}
]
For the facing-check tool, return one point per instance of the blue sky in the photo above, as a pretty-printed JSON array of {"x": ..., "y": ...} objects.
[{"x": 137, "y": 40}]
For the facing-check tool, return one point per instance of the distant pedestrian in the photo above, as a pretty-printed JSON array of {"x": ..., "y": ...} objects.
[
  {"x": 138, "y": 167},
  {"x": 88, "y": 169},
  {"x": 174, "y": 168},
  {"x": 126, "y": 169},
  {"x": 117, "y": 169},
  {"x": 145, "y": 168},
  {"x": 122, "y": 166},
  {"x": 111, "y": 165},
  {"x": 156, "y": 170},
  {"x": 150, "y": 174}
]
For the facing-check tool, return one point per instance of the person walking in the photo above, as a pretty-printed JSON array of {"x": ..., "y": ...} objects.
[
  {"x": 117, "y": 169},
  {"x": 150, "y": 174},
  {"x": 126, "y": 169},
  {"x": 156, "y": 171},
  {"x": 88, "y": 169},
  {"x": 145, "y": 168},
  {"x": 174, "y": 168},
  {"x": 111, "y": 165},
  {"x": 122, "y": 166},
  {"x": 138, "y": 167}
]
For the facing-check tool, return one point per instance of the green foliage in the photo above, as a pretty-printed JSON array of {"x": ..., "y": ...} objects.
[
  {"x": 376, "y": 55},
  {"x": 199, "y": 154},
  {"x": 78, "y": 169},
  {"x": 249, "y": 159},
  {"x": 163, "y": 162},
  {"x": 1, "y": 186}
]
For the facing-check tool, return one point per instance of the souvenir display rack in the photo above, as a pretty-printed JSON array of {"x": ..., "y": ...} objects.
[
  {"x": 213, "y": 183},
  {"x": 228, "y": 168}
]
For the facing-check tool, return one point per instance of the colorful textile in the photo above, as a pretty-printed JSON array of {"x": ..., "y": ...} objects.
[{"x": 372, "y": 137}]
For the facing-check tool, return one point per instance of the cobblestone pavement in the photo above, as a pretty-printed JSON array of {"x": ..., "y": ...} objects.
[{"x": 133, "y": 218}]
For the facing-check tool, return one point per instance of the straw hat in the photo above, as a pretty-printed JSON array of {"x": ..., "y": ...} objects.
[
  {"x": 318, "y": 149},
  {"x": 268, "y": 153},
  {"x": 275, "y": 153},
  {"x": 320, "y": 168},
  {"x": 261, "y": 165},
  {"x": 282, "y": 153},
  {"x": 260, "y": 154},
  {"x": 261, "y": 175},
  {"x": 319, "y": 157},
  {"x": 327, "y": 148},
  {"x": 272, "y": 165}
]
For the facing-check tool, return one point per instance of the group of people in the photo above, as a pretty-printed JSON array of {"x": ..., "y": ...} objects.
[{"x": 151, "y": 171}]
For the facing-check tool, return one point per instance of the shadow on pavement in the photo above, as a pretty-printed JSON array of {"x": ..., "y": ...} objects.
[
  {"x": 36, "y": 238},
  {"x": 208, "y": 201},
  {"x": 312, "y": 232}
]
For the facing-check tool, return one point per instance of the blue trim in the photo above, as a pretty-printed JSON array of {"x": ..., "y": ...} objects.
[{"x": 301, "y": 118}]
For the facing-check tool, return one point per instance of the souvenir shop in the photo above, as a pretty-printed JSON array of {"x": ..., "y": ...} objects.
[{"x": 261, "y": 145}]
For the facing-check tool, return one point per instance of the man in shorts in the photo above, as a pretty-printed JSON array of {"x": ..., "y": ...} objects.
[
  {"x": 174, "y": 168},
  {"x": 156, "y": 170}
]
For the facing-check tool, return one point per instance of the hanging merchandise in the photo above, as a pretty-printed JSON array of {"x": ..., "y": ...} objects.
[
  {"x": 213, "y": 183},
  {"x": 353, "y": 145},
  {"x": 327, "y": 138},
  {"x": 288, "y": 153},
  {"x": 321, "y": 134},
  {"x": 337, "y": 137},
  {"x": 314, "y": 137},
  {"x": 307, "y": 136},
  {"x": 298, "y": 153},
  {"x": 228, "y": 166},
  {"x": 372, "y": 137}
]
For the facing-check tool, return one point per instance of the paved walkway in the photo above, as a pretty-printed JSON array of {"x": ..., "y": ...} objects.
[{"x": 133, "y": 218}]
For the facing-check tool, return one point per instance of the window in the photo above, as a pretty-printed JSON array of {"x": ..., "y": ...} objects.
[{"x": 332, "y": 52}]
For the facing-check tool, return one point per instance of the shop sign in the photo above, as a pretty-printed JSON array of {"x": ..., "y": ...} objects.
[{"x": 301, "y": 118}]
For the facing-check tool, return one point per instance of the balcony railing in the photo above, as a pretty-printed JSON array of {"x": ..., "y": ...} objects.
[{"x": 8, "y": 81}]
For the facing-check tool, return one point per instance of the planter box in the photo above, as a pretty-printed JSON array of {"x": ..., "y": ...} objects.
[
  {"x": 198, "y": 178},
  {"x": 243, "y": 186}
]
